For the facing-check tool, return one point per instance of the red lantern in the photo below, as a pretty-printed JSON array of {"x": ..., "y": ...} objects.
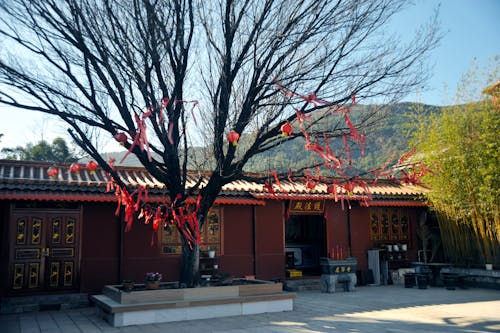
[
  {"x": 120, "y": 137},
  {"x": 286, "y": 129},
  {"x": 349, "y": 187},
  {"x": 75, "y": 167},
  {"x": 311, "y": 184},
  {"x": 52, "y": 172},
  {"x": 233, "y": 138},
  {"x": 92, "y": 166}
]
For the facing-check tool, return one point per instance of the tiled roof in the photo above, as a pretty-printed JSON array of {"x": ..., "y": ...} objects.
[
  {"x": 381, "y": 188},
  {"x": 29, "y": 180},
  {"x": 493, "y": 90}
]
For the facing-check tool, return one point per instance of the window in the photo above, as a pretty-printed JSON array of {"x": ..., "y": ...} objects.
[
  {"x": 210, "y": 234},
  {"x": 389, "y": 224}
]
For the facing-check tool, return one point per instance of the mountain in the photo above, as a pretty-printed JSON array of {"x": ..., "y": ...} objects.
[{"x": 386, "y": 136}]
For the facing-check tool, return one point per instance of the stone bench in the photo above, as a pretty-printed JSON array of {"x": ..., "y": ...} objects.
[{"x": 471, "y": 277}]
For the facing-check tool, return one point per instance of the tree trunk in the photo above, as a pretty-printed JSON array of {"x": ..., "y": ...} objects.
[{"x": 190, "y": 274}]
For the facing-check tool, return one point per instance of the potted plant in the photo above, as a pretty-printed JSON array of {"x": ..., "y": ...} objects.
[
  {"x": 152, "y": 280},
  {"x": 127, "y": 285},
  {"x": 211, "y": 252}
]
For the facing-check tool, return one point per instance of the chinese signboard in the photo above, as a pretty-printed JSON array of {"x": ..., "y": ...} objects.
[{"x": 307, "y": 207}]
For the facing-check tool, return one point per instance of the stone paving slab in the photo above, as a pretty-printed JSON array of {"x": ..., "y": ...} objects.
[{"x": 391, "y": 309}]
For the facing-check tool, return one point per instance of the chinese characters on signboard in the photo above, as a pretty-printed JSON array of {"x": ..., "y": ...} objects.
[{"x": 309, "y": 207}]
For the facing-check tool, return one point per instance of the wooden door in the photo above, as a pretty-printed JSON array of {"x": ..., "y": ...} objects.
[{"x": 44, "y": 250}]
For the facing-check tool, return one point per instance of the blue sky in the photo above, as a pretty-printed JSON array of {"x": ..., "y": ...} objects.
[{"x": 471, "y": 31}]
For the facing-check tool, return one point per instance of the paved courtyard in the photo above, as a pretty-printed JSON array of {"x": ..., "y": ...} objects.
[{"x": 367, "y": 310}]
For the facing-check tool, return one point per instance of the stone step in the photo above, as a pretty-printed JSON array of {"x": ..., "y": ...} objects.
[
  {"x": 9, "y": 305},
  {"x": 302, "y": 284}
]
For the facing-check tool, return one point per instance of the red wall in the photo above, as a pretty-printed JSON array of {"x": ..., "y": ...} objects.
[
  {"x": 238, "y": 241},
  {"x": 245, "y": 229},
  {"x": 413, "y": 244},
  {"x": 337, "y": 233},
  {"x": 360, "y": 235},
  {"x": 101, "y": 243},
  {"x": 104, "y": 242},
  {"x": 270, "y": 240},
  {"x": 99, "y": 247},
  {"x": 336, "y": 227},
  {"x": 141, "y": 256}
]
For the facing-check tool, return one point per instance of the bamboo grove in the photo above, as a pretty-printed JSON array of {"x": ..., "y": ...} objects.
[{"x": 463, "y": 141}]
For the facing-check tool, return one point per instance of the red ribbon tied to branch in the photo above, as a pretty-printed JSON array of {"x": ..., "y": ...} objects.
[
  {"x": 127, "y": 200},
  {"x": 140, "y": 138},
  {"x": 312, "y": 98},
  {"x": 326, "y": 153}
]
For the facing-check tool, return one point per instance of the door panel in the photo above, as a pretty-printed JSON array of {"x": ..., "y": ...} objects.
[
  {"x": 44, "y": 250},
  {"x": 26, "y": 252},
  {"x": 62, "y": 261}
]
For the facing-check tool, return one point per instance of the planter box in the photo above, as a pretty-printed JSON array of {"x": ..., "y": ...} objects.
[
  {"x": 170, "y": 292},
  {"x": 121, "y": 308}
]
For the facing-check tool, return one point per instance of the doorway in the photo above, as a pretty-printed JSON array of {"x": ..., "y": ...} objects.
[
  {"x": 44, "y": 250},
  {"x": 305, "y": 240}
]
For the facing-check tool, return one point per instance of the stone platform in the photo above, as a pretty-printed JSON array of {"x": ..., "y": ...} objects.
[
  {"x": 35, "y": 303},
  {"x": 167, "y": 305}
]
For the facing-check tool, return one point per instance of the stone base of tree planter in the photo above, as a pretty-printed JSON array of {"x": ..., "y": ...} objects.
[{"x": 165, "y": 305}]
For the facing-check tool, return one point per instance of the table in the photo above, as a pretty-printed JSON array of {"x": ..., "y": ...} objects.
[{"x": 433, "y": 269}]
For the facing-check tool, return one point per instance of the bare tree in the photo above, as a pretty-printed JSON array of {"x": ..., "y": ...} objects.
[{"x": 191, "y": 71}]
